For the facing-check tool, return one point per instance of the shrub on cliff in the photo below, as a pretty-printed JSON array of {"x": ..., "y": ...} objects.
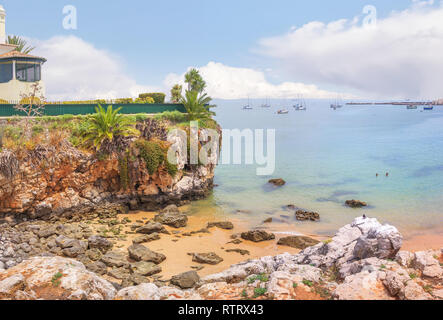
[
  {"x": 106, "y": 126},
  {"x": 197, "y": 105},
  {"x": 154, "y": 154}
]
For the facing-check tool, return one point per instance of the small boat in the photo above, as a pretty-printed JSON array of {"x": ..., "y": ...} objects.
[
  {"x": 337, "y": 104},
  {"x": 428, "y": 108},
  {"x": 411, "y": 107},
  {"x": 283, "y": 111},
  {"x": 248, "y": 107},
  {"x": 266, "y": 104},
  {"x": 299, "y": 107}
]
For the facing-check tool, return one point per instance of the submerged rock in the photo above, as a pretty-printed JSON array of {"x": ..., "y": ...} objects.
[
  {"x": 355, "y": 204},
  {"x": 257, "y": 236},
  {"x": 303, "y": 215},
  {"x": 277, "y": 182},
  {"x": 299, "y": 242}
]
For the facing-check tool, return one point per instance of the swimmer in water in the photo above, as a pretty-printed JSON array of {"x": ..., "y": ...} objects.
[
  {"x": 387, "y": 174},
  {"x": 376, "y": 175}
]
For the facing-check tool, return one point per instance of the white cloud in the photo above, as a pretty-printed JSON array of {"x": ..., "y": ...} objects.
[
  {"x": 225, "y": 82},
  {"x": 77, "y": 70},
  {"x": 400, "y": 57}
]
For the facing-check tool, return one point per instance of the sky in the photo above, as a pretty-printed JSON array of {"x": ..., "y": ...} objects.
[{"x": 255, "y": 48}]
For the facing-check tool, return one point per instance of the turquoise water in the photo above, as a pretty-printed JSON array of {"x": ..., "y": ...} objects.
[{"x": 327, "y": 157}]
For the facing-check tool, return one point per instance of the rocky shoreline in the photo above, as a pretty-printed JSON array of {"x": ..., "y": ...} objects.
[{"x": 69, "y": 260}]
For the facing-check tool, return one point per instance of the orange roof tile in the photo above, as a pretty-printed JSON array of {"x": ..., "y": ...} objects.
[{"x": 16, "y": 54}]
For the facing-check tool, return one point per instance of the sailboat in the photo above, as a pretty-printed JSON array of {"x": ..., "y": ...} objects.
[
  {"x": 300, "y": 105},
  {"x": 337, "y": 104},
  {"x": 247, "y": 107},
  {"x": 266, "y": 104}
]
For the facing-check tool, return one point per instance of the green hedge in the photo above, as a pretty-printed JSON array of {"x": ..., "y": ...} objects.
[{"x": 7, "y": 110}]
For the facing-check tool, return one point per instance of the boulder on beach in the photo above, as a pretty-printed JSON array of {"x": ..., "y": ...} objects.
[
  {"x": 139, "y": 252},
  {"x": 257, "y": 235},
  {"x": 207, "y": 258},
  {"x": 277, "y": 182},
  {"x": 299, "y": 242},
  {"x": 355, "y": 204},
  {"x": 185, "y": 280},
  {"x": 152, "y": 227},
  {"x": 172, "y": 218}
]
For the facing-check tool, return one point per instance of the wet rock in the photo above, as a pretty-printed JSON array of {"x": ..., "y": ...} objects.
[
  {"x": 303, "y": 215},
  {"x": 115, "y": 259},
  {"x": 257, "y": 236},
  {"x": 206, "y": 258},
  {"x": 146, "y": 238},
  {"x": 139, "y": 252},
  {"x": 144, "y": 268},
  {"x": 299, "y": 242},
  {"x": 227, "y": 225},
  {"x": 100, "y": 243},
  {"x": 241, "y": 251},
  {"x": 152, "y": 227},
  {"x": 185, "y": 280},
  {"x": 355, "y": 204},
  {"x": 269, "y": 220},
  {"x": 277, "y": 182}
]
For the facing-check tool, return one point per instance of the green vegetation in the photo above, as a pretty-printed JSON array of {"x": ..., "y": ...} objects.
[
  {"x": 157, "y": 96},
  {"x": 197, "y": 105},
  {"x": 258, "y": 292},
  {"x": 195, "y": 81},
  {"x": 244, "y": 294},
  {"x": 56, "y": 279},
  {"x": 176, "y": 93},
  {"x": 154, "y": 153},
  {"x": 295, "y": 285},
  {"x": 307, "y": 283},
  {"x": 412, "y": 275},
  {"x": 261, "y": 277},
  {"x": 106, "y": 125},
  {"x": 22, "y": 45}
]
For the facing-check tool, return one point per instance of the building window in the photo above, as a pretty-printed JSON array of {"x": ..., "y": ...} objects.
[
  {"x": 5, "y": 72},
  {"x": 28, "y": 72}
]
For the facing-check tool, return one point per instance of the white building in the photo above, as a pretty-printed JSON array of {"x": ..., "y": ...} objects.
[{"x": 18, "y": 71}]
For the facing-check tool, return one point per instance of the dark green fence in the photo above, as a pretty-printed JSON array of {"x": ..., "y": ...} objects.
[{"x": 7, "y": 110}]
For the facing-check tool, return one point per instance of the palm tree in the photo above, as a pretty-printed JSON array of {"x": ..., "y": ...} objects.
[
  {"x": 197, "y": 105},
  {"x": 195, "y": 81},
  {"x": 106, "y": 126},
  {"x": 22, "y": 45}
]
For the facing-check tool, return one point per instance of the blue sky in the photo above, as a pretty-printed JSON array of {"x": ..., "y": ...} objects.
[{"x": 155, "y": 38}]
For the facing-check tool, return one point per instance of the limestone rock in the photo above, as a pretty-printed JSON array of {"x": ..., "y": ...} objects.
[
  {"x": 152, "y": 227},
  {"x": 277, "y": 182},
  {"x": 355, "y": 203},
  {"x": 115, "y": 259},
  {"x": 145, "y": 268},
  {"x": 302, "y": 215},
  {"x": 60, "y": 276},
  {"x": 227, "y": 225},
  {"x": 361, "y": 286}
]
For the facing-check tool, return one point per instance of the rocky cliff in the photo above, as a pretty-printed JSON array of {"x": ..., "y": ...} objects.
[{"x": 63, "y": 180}]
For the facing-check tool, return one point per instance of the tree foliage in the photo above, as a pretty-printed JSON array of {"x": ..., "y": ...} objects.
[
  {"x": 22, "y": 45},
  {"x": 105, "y": 127},
  {"x": 195, "y": 81},
  {"x": 197, "y": 105},
  {"x": 176, "y": 93}
]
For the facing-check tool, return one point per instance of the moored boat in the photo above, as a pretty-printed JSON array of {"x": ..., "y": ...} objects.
[{"x": 283, "y": 111}]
